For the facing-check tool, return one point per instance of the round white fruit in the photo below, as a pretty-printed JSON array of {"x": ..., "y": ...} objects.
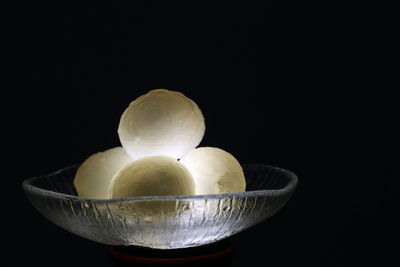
[
  {"x": 215, "y": 171},
  {"x": 161, "y": 122},
  {"x": 93, "y": 177},
  {"x": 152, "y": 176}
]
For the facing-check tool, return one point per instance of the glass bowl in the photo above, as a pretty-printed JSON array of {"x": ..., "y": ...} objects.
[{"x": 163, "y": 222}]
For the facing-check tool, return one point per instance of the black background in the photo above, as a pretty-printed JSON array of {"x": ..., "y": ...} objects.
[{"x": 313, "y": 89}]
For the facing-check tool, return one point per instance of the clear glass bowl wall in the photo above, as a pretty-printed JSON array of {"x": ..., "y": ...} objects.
[{"x": 166, "y": 222}]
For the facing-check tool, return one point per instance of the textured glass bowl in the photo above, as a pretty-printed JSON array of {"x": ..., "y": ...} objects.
[{"x": 165, "y": 222}]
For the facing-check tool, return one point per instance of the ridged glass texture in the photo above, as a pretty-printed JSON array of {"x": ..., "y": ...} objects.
[{"x": 165, "y": 222}]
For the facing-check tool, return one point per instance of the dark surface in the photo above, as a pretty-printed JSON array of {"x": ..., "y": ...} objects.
[
  {"x": 216, "y": 254},
  {"x": 313, "y": 89}
]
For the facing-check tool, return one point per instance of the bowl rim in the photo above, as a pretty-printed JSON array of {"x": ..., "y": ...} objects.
[{"x": 28, "y": 187}]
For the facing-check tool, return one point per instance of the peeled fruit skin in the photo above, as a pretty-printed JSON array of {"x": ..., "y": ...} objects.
[
  {"x": 161, "y": 122},
  {"x": 152, "y": 176},
  {"x": 93, "y": 177},
  {"x": 215, "y": 171}
]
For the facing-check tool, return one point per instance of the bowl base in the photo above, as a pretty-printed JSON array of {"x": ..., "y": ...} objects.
[{"x": 216, "y": 254}]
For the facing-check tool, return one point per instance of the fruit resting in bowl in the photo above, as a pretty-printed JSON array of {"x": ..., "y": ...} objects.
[{"x": 159, "y": 133}]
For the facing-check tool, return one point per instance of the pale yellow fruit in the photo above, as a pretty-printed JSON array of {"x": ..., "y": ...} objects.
[
  {"x": 161, "y": 122},
  {"x": 215, "y": 171},
  {"x": 94, "y": 175},
  {"x": 152, "y": 176}
]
